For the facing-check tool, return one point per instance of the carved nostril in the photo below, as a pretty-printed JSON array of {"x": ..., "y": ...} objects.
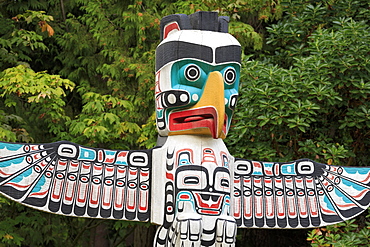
[
  {"x": 171, "y": 99},
  {"x": 233, "y": 101},
  {"x": 184, "y": 97}
]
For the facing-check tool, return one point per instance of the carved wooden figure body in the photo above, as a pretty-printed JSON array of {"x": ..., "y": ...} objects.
[{"x": 189, "y": 184}]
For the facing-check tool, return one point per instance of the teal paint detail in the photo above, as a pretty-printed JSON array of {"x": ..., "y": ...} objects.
[
  {"x": 353, "y": 185},
  {"x": 329, "y": 205},
  {"x": 39, "y": 184},
  {"x": 87, "y": 154},
  {"x": 196, "y": 87},
  {"x": 354, "y": 170},
  {"x": 10, "y": 146},
  {"x": 12, "y": 162},
  {"x": 288, "y": 169},
  {"x": 342, "y": 196},
  {"x": 21, "y": 176}
]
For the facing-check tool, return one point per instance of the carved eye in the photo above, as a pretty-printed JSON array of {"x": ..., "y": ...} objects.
[
  {"x": 230, "y": 75},
  {"x": 225, "y": 183},
  {"x": 191, "y": 180},
  {"x": 192, "y": 72}
]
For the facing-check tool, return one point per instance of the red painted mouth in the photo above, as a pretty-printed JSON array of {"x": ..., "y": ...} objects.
[
  {"x": 209, "y": 203},
  {"x": 195, "y": 118}
]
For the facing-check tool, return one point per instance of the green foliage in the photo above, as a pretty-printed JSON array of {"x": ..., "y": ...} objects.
[
  {"x": 315, "y": 108},
  {"x": 26, "y": 91},
  {"x": 306, "y": 95},
  {"x": 344, "y": 234}
]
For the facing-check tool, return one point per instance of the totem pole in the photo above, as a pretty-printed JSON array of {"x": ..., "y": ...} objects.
[{"x": 188, "y": 184}]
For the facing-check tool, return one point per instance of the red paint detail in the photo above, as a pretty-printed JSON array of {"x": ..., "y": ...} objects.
[
  {"x": 269, "y": 173},
  {"x": 328, "y": 211},
  {"x": 203, "y": 204},
  {"x": 119, "y": 205},
  {"x": 257, "y": 164},
  {"x": 144, "y": 174},
  {"x": 185, "y": 197},
  {"x": 291, "y": 207},
  {"x": 170, "y": 27},
  {"x": 38, "y": 193},
  {"x": 122, "y": 154},
  {"x": 237, "y": 208},
  {"x": 276, "y": 166},
  {"x": 205, "y": 117},
  {"x": 204, "y": 211},
  {"x": 109, "y": 160},
  {"x": 56, "y": 196},
  {"x": 209, "y": 156},
  {"x": 17, "y": 185},
  {"x": 100, "y": 155},
  {"x": 95, "y": 202},
  {"x": 361, "y": 194},
  {"x": 131, "y": 200},
  {"x": 248, "y": 204},
  {"x": 281, "y": 211},
  {"x": 62, "y": 163},
  {"x": 5, "y": 174},
  {"x": 169, "y": 176},
  {"x": 258, "y": 205},
  {"x": 107, "y": 191},
  {"x": 69, "y": 198},
  {"x": 133, "y": 172},
  {"x": 82, "y": 199},
  {"x": 366, "y": 180},
  {"x": 143, "y": 200}
]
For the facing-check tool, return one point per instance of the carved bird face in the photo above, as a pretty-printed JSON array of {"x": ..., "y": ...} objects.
[{"x": 197, "y": 82}]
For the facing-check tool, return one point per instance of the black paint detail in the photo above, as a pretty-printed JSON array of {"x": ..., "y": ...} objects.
[
  {"x": 201, "y": 20},
  {"x": 54, "y": 206},
  {"x": 66, "y": 209},
  {"x": 92, "y": 212},
  {"x": 181, "y": 19},
  {"x": 175, "y": 50},
  {"x": 231, "y": 53},
  {"x": 105, "y": 213},
  {"x": 79, "y": 211},
  {"x": 36, "y": 202},
  {"x": 204, "y": 20},
  {"x": 118, "y": 214}
]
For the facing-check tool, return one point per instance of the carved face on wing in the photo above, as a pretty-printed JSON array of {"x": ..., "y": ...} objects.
[{"x": 197, "y": 81}]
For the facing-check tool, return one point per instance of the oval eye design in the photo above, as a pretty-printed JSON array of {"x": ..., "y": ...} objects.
[
  {"x": 191, "y": 180},
  {"x": 192, "y": 72},
  {"x": 230, "y": 75}
]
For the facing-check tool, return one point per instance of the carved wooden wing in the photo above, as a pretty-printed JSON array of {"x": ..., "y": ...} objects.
[
  {"x": 69, "y": 179},
  {"x": 298, "y": 194}
]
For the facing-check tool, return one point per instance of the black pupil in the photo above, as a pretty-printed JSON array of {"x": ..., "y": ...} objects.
[
  {"x": 192, "y": 72},
  {"x": 230, "y": 76}
]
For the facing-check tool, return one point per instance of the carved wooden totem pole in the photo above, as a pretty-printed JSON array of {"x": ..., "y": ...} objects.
[{"x": 189, "y": 184}]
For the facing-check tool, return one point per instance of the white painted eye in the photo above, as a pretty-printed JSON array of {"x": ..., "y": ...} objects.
[
  {"x": 230, "y": 76},
  {"x": 192, "y": 72}
]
